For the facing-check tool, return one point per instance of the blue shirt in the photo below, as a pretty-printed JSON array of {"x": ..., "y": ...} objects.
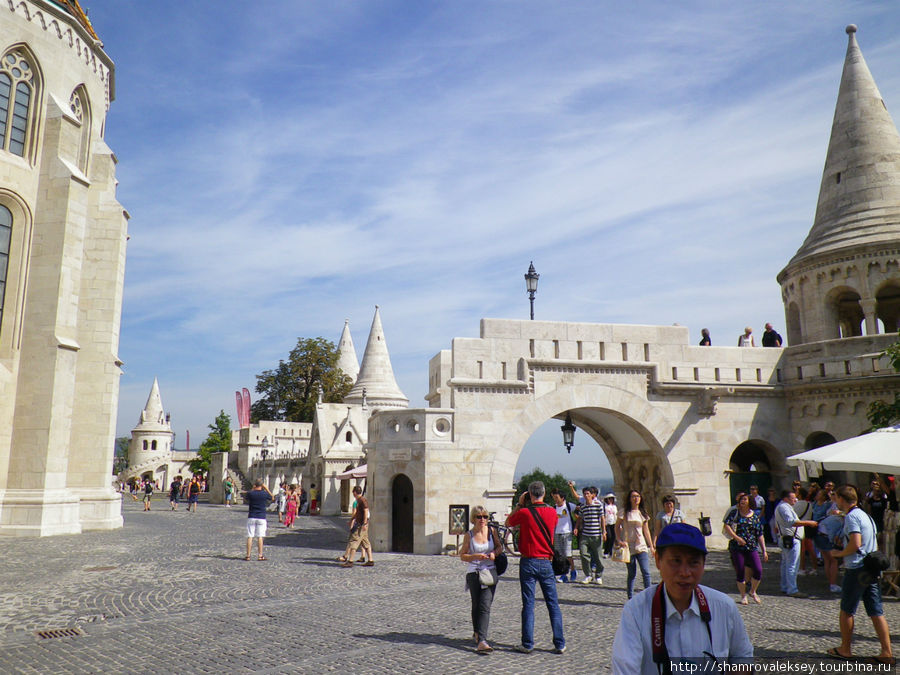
[
  {"x": 686, "y": 634},
  {"x": 858, "y": 520},
  {"x": 258, "y": 501}
]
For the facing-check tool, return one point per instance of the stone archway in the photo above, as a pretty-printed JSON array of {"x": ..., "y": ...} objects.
[{"x": 625, "y": 427}]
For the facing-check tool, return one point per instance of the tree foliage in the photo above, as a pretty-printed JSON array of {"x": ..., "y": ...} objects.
[
  {"x": 290, "y": 391},
  {"x": 557, "y": 481},
  {"x": 218, "y": 440},
  {"x": 120, "y": 454},
  {"x": 880, "y": 413}
]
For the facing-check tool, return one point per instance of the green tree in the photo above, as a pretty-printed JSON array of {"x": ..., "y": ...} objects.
[
  {"x": 120, "y": 454},
  {"x": 880, "y": 413},
  {"x": 290, "y": 391},
  {"x": 557, "y": 481},
  {"x": 218, "y": 440}
]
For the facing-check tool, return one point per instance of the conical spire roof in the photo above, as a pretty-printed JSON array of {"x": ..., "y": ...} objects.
[
  {"x": 859, "y": 199},
  {"x": 376, "y": 376},
  {"x": 153, "y": 417},
  {"x": 347, "y": 360}
]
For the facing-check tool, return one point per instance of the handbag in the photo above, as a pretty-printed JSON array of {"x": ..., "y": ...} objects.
[
  {"x": 487, "y": 577},
  {"x": 621, "y": 554},
  {"x": 559, "y": 562}
]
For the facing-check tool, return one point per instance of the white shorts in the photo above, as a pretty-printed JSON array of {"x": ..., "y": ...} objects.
[{"x": 256, "y": 527}]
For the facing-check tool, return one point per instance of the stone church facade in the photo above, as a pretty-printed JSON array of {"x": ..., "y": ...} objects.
[
  {"x": 671, "y": 417},
  {"x": 62, "y": 260}
]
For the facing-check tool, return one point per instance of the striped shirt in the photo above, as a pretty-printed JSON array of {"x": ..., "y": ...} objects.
[{"x": 591, "y": 514}]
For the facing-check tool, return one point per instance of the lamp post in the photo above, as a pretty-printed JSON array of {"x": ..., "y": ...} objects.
[
  {"x": 531, "y": 281},
  {"x": 568, "y": 430},
  {"x": 265, "y": 448}
]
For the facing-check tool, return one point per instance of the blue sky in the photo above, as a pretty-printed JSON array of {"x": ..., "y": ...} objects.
[{"x": 288, "y": 165}]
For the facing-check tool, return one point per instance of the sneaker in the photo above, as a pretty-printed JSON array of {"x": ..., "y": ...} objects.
[
  {"x": 798, "y": 594},
  {"x": 573, "y": 575},
  {"x": 560, "y": 650},
  {"x": 834, "y": 588},
  {"x": 564, "y": 579},
  {"x": 522, "y": 649},
  {"x": 587, "y": 580},
  {"x": 598, "y": 580}
]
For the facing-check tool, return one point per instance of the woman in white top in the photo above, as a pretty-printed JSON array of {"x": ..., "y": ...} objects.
[
  {"x": 667, "y": 516},
  {"x": 612, "y": 515},
  {"x": 746, "y": 340},
  {"x": 633, "y": 531},
  {"x": 479, "y": 548}
]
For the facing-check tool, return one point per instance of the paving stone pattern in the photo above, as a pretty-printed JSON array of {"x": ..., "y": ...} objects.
[{"x": 171, "y": 592}]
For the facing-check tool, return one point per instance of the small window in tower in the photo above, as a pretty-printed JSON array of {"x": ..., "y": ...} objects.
[
  {"x": 153, "y": 445},
  {"x": 145, "y": 445},
  {"x": 349, "y": 437},
  {"x": 837, "y": 177}
]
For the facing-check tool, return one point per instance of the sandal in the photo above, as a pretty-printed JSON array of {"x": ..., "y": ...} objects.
[
  {"x": 835, "y": 654},
  {"x": 247, "y": 558},
  {"x": 884, "y": 660},
  {"x": 341, "y": 558},
  {"x": 262, "y": 557},
  {"x": 756, "y": 599}
]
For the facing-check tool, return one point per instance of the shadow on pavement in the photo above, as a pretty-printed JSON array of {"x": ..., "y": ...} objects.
[{"x": 422, "y": 639}]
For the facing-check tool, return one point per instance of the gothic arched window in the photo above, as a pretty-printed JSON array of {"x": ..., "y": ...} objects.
[
  {"x": 5, "y": 239},
  {"x": 17, "y": 94},
  {"x": 81, "y": 109}
]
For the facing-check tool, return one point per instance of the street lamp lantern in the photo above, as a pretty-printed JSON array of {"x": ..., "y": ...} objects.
[
  {"x": 568, "y": 430},
  {"x": 531, "y": 281},
  {"x": 265, "y": 448}
]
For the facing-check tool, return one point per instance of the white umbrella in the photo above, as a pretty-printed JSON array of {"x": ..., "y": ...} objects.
[
  {"x": 878, "y": 451},
  {"x": 358, "y": 472}
]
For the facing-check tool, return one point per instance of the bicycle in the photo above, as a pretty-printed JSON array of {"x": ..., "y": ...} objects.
[{"x": 509, "y": 536}]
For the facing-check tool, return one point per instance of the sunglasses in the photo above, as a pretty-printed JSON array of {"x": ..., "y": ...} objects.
[{"x": 482, "y": 517}]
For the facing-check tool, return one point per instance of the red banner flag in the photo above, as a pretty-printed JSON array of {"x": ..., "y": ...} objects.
[{"x": 246, "y": 422}]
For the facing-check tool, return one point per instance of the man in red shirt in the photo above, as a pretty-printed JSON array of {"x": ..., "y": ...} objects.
[{"x": 535, "y": 566}]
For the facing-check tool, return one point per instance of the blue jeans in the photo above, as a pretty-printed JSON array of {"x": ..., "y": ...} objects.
[
  {"x": 538, "y": 570},
  {"x": 790, "y": 560},
  {"x": 642, "y": 560}
]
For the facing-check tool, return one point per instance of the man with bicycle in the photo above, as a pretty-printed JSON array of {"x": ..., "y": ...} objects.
[{"x": 535, "y": 565}]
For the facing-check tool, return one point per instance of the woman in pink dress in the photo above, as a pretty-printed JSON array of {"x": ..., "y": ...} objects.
[{"x": 292, "y": 502}]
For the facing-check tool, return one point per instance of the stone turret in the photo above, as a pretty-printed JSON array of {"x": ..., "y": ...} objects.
[
  {"x": 844, "y": 279},
  {"x": 347, "y": 361},
  {"x": 152, "y": 437},
  {"x": 376, "y": 383}
]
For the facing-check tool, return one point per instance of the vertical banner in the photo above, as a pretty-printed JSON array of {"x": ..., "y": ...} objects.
[
  {"x": 239, "y": 404},
  {"x": 246, "y": 421}
]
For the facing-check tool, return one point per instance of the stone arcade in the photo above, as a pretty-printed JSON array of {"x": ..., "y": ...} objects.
[{"x": 670, "y": 417}]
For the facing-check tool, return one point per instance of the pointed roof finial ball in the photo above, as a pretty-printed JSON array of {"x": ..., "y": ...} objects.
[{"x": 851, "y": 29}]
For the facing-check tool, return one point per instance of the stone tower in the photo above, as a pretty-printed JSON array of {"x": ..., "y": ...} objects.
[
  {"x": 347, "y": 361},
  {"x": 844, "y": 280},
  {"x": 62, "y": 266},
  {"x": 376, "y": 375},
  {"x": 151, "y": 439}
]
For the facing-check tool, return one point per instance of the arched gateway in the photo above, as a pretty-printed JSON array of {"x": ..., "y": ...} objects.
[{"x": 665, "y": 413}]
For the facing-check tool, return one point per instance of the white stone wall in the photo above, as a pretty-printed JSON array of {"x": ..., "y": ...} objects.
[{"x": 59, "y": 367}]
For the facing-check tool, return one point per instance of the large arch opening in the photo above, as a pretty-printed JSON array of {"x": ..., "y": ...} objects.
[
  {"x": 845, "y": 313},
  {"x": 887, "y": 306},
  {"x": 752, "y": 463},
  {"x": 818, "y": 439},
  {"x": 611, "y": 451}
]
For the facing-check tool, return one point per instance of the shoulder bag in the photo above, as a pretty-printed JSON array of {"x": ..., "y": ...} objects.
[{"x": 559, "y": 561}]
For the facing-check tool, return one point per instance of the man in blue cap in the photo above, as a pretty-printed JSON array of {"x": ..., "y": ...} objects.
[{"x": 678, "y": 618}]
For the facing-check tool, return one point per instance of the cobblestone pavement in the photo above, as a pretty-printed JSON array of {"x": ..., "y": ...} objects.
[{"x": 170, "y": 592}]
